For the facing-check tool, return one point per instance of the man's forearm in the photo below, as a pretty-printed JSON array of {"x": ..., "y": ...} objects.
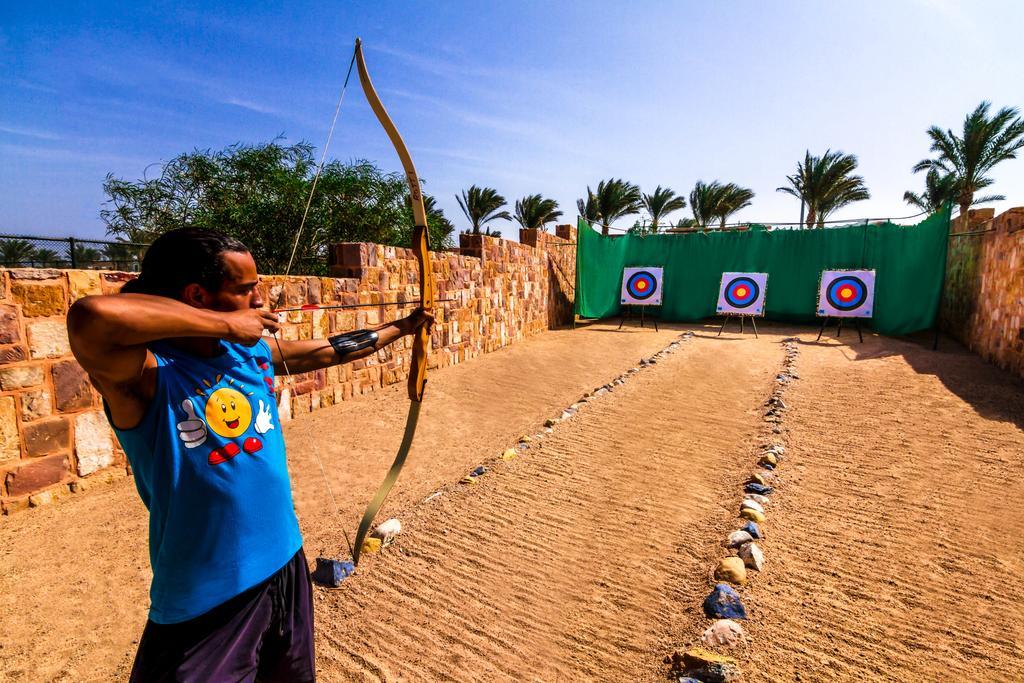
[
  {"x": 315, "y": 354},
  {"x": 137, "y": 319}
]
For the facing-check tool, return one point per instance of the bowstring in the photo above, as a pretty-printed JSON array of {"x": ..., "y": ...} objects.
[
  {"x": 288, "y": 270},
  {"x": 320, "y": 167}
]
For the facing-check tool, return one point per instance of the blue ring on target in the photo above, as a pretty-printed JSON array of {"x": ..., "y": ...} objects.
[
  {"x": 846, "y": 293},
  {"x": 741, "y": 292},
  {"x": 641, "y": 285}
]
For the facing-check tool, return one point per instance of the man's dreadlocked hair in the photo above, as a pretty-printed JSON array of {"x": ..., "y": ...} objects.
[{"x": 181, "y": 257}]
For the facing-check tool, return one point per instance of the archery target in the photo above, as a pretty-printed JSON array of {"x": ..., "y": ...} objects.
[
  {"x": 847, "y": 294},
  {"x": 742, "y": 293},
  {"x": 641, "y": 286}
]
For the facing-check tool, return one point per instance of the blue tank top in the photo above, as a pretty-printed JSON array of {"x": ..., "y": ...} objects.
[{"x": 209, "y": 463}]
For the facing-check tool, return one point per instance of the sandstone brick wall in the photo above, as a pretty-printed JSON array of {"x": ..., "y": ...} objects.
[
  {"x": 983, "y": 301},
  {"x": 55, "y": 439}
]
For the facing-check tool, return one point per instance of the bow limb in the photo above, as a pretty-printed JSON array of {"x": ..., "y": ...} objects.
[
  {"x": 420, "y": 237},
  {"x": 421, "y": 341}
]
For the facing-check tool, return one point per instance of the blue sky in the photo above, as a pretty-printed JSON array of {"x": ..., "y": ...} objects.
[{"x": 521, "y": 96}]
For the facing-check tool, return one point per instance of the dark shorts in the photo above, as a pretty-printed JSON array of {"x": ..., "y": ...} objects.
[{"x": 263, "y": 634}]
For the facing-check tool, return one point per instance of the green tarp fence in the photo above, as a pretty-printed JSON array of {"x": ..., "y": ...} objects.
[{"x": 909, "y": 262}]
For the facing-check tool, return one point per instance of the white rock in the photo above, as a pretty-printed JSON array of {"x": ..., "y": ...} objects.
[
  {"x": 724, "y": 632},
  {"x": 738, "y": 538},
  {"x": 388, "y": 530},
  {"x": 752, "y": 556},
  {"x": 752, "y": 504},
  {"x": 763, "y": 500}
]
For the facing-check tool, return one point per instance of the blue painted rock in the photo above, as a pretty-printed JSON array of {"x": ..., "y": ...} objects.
[
  {"x": 331, "y": 573},
  {"x": 753, "y": 529},
  {"x": 718, "y": 672},
  {"x": 759, "y": 489},
  {"x": 724, "y": 603},
  {"x": 478, "y": 471}
]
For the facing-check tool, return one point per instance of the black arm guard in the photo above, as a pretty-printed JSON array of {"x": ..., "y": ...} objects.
[{"x": 350, "y": 342}]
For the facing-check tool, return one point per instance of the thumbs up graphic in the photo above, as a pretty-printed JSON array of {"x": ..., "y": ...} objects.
[{"x": 192, "y": 429}]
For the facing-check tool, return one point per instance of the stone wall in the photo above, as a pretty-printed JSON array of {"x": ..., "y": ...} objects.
[
  {"x": 54, "y": 437},
  {"x": 983, "y": 301}
]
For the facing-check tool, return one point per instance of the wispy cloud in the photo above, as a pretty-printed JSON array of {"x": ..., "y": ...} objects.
[
  {"x": 28, "y": 132},
  {"x": 63, "y": 155},
  {"x": 29, "y": 85},
  {"x": 252, "y": 106}
]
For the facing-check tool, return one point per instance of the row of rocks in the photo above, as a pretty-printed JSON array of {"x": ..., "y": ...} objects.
[{"x": 724, "y": 604}]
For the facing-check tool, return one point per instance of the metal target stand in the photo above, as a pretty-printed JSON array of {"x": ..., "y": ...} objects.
[
  {"x": 741, "y": 316},
  {"x": 839, "y": 328},
  {"x": 625, "y": 314}
]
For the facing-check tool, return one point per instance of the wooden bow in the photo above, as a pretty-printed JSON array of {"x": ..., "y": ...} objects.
[{"x": 421, "y": 341}]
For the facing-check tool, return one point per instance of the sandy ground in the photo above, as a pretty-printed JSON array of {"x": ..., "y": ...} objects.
[
  {"x": 897, "y": 540},
  {"x": 893, "y": 546}
]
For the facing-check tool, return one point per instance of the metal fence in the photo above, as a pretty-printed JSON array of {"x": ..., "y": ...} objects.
[{"x": 26, "y": 251}]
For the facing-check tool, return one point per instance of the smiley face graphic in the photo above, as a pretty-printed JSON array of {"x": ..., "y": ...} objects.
[{"x": 228, "y": 413}]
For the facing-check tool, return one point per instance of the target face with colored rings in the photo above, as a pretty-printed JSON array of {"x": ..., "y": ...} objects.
[
  {"x": 847, "y": 293},
  {"x": 742, "y": 293},
  {"x": 641, "y": 286}
]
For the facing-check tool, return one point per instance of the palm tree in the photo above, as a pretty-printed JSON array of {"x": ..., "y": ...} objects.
[
  {"x": 534, "y": 211},
  {"x": 717, "y": 201},
  {"x": 86, "y": 256},
  {"x": 16, "y": 253},
  {"x": 939, "y": 189},
  {"x": 661, "y": 203},
  {"x": 985, "y": 142},
  {"x": 825, "y": 184},
  {"x": 733, "y": 198},
  {"x": 46, "y": 257},
  {"x": 704, "y": 200},
  {"x": 588, "y": 208},
  {"x": 614, "y": 199},
  {"x": 482, "y": 205}
]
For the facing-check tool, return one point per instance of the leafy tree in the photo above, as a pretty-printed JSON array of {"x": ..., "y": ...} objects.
[
  {"x": 826, "y": 184},
  {"x": 686, "y": 223},
  {"x": 534, "y": 211},
  {"x": 482, "y": 205},
  {"x": 16, "y": 253},
  {"x": 663, "y": 202},
  {"x": 971, "y": 156},
  {"x": 258, "y": 194},
  {"x": 615, "y": 198}
]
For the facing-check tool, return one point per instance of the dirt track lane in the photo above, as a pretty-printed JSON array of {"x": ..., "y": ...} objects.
[
  {"x": 897, "y": 540},
  {"x": 577, "y": 561}
]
